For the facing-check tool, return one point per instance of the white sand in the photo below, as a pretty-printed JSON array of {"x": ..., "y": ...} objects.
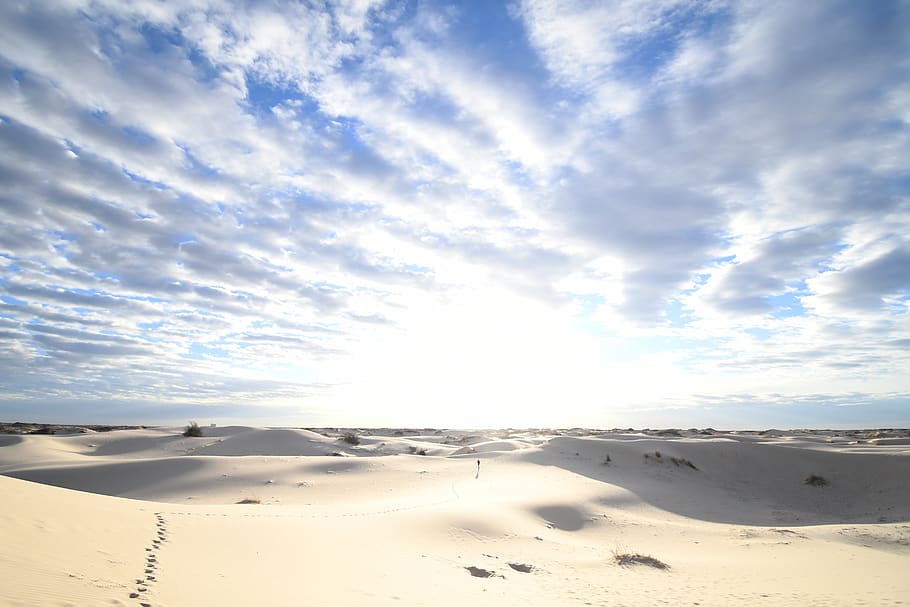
[{"x": 381, "y": 526}]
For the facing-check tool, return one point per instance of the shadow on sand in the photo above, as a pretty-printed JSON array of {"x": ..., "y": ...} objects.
[{"x": 744, "y": 483}]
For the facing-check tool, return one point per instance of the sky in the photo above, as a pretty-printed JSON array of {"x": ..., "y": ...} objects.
[{"x": 628, "y": 213}]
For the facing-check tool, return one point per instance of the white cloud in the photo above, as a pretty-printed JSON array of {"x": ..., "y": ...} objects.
[{"x": 276, "y": 201}]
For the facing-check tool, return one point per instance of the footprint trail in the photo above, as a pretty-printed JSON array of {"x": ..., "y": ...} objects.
[{"x": 151, "y": 562}]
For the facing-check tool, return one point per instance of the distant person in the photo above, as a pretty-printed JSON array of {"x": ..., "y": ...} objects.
[{"x": 478, "y": 470}]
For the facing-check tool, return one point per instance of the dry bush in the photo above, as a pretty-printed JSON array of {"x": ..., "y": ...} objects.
[
  {"x": 815, "y": 480},
  {"x": 627, "y": 559},
  {"x": 250, "y": 500},
  {"x": 192, "y": 429},
  {"x": 676, "y": 461},
  {"x": 351, "y": 438},
  {"x": 681, "y": 461}
]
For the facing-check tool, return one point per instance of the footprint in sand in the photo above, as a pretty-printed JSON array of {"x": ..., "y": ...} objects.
[
  {"x": 478, "y": 572},
  {"x": 151, "y": 561}
]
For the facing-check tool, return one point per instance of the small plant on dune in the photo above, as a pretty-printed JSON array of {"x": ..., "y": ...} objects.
[
  {"x": 815, "y": 480},
  {"x": 351, "y": 438},
  {"x": 627, "y": 559},
  {"x": 681, "y": 461},
  {"x": 250, "y": 500},
  {"x": 192, "y": 429}
]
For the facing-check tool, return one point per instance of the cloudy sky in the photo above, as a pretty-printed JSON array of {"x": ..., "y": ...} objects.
[{"x": 539, "y": 212}]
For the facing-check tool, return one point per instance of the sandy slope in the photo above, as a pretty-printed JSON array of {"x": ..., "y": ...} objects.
[{"x": 544, "y": 517}]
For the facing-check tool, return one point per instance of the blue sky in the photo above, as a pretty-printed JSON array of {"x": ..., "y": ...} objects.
[{"x": 533, "y": 213}]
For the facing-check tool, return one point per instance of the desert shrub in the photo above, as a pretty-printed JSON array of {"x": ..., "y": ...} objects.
[
  {"x": 676, "y": 461},
  {"x": 351, "y": 438},
  {"x": 815, "y": 480},
  {"x": 192, "y": 429},
  {"x": 627, "y": 559},
  {"x": 681, "y": 461},
  {"x": 250, "y": 500}
]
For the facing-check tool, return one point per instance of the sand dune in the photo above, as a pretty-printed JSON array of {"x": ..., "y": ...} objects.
[{"x": 541, "y": 522}]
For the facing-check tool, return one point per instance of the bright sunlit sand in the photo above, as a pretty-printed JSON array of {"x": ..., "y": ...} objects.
[{"x": 150, "y": 517}]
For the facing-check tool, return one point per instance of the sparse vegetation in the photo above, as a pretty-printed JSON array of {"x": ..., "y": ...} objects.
[
  {"x": 192, "y": 429},
  {"x": 627, "y": 559},
  {"x": 351, "y": 438},
  {"x": 250, "y": 500},
  {"x": 681, "y": 461},
  {"x": 676, "y": 461},
  {"x": 815, "y": 480}
]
